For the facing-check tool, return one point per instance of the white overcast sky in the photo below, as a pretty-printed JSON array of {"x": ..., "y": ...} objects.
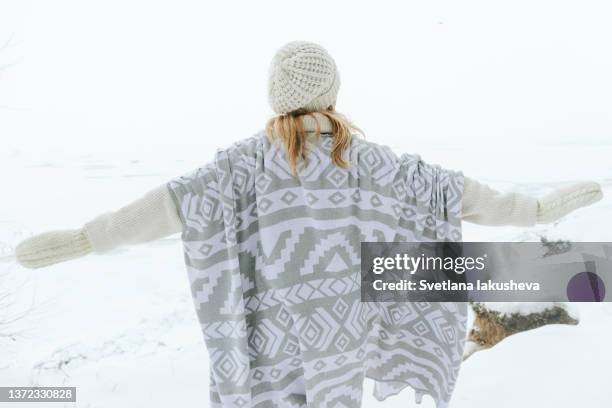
[{"x": 151, "y": 76}]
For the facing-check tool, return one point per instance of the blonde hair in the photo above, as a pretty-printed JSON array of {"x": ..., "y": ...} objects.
[{"x": 289, "y": 128}]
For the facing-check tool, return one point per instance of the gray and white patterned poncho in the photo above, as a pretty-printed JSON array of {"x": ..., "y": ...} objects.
[{"x": 274, "y": 266}]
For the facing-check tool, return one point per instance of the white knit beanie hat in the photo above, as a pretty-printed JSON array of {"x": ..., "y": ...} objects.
[{"x": 302, "y": 76}]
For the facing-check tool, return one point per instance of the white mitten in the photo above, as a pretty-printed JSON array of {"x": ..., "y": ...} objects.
[
  {"x": 567, "y": 199},
  {"x": 52, "y": 247}
]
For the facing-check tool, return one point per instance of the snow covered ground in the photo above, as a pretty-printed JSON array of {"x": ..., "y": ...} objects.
[
  {"x": 122, "y": 329},
  {"x": 100, "y": 101}
]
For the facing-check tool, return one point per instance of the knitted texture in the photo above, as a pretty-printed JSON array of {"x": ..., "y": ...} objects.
[
  {"x": 151, "y": 217},
  {"x": 302, "y": 76},
  {"x": 561, "y": 202},
  {"x": 52, "y": 247},
  {"x": 155, "y": 216},
  {"x": 486, "y": 206}
]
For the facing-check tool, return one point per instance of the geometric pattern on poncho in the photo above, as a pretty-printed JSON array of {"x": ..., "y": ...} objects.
[{"x": 273, "y": 261}]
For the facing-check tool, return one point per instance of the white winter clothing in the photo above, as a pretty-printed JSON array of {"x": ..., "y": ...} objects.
[
  {"x": 304, "y": 76},
  {"x": 155, "y": 216}
]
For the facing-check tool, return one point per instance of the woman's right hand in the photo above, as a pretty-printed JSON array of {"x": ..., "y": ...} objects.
[{"x": 564, "y": 200}]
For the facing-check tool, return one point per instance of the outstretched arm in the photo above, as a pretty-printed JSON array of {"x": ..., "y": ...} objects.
[
  {"x": 486, "y": 206},
  {"x": 155, "y": 216},
  {"x": 151, "y": 217}
]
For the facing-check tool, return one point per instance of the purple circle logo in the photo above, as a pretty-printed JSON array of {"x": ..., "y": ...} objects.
[{"x": 586, "y": 287}]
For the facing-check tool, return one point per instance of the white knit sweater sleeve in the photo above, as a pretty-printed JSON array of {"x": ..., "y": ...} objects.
[
  {"x": 151, "y": 217},
  {"x": 486, "y": 206},
  {"x": 155, "y": 216}
]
